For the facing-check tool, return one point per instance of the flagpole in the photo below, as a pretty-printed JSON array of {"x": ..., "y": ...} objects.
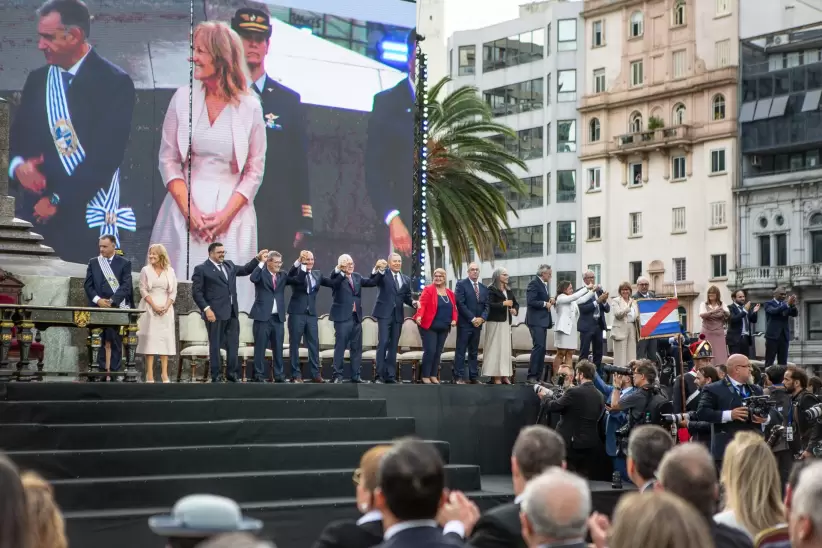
[{"x": 681, "y": 359}]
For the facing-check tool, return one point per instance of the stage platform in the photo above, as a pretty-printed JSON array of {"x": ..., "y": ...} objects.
[{"x": 118, "y": 453}]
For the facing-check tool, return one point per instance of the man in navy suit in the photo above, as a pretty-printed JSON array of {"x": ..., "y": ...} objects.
[
  {"x": 63, "y": 155},
  {"x": 268, "y": 312},
  {"x": 302, "y": 316},
  {"x": 214, "y": 289},
  {"x": 741, "y": 324},
  {"x": 591, "y": 322},
  {"x": 472, "y": 305},
  {"x": 284, "y": 194},
  {"x": 778, "y": 330},
  {"x": 395, "y": 291},
  {"x": 108, "y": 285},
  {"x": 721, "y": 404},
  {"x": 538, "y": 319},
  {"x": 346, "y": 313}
]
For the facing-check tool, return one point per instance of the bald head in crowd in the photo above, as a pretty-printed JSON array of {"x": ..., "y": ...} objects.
[{"x": 738, "y": 367}]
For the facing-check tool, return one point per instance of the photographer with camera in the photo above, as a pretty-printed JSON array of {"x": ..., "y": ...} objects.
[
  {"x": 776, "y": 434},
  {"x": 614, "y": 420},
  {"x": 805, "y": 430},
  {"x": 643, "y": 404}
]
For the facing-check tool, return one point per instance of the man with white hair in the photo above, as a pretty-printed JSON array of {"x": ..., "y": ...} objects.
[
  {"x": 806, "y": 509},
  {"x": 647, "y": 348},
  {"x": 591, "y": 322},
  {"x": 346, "y": 313},
  {"x": 555, "y": 509}
]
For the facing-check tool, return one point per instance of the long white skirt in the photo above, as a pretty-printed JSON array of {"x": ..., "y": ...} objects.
[{"x": 496, "y": 355}]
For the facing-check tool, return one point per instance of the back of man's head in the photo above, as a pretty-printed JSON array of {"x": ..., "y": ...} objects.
[
  {"x": 537, "y": 448},
  {"x": 555, "y": 507},
  {"x": 806, "y": 507},
  {"x": 647, "y": 444},
  {"x": 688, "y": 471},
  {"x": 412, "y": 480}
]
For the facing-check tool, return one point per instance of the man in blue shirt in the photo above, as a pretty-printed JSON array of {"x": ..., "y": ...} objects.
[{"x": 614, "y": 420}]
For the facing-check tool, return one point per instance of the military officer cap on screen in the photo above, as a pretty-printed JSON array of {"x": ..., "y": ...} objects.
[
  {"x": 701, "y": 349},
  {"x": 251, "y": 21}
]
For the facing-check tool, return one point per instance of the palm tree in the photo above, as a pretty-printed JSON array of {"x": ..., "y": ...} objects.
[{"x": 465, "y": 209}]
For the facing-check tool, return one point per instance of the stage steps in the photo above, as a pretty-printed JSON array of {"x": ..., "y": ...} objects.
[{"x": 117, "y": 453}]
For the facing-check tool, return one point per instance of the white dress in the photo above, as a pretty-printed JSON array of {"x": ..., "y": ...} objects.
[
  {"x": 565, "y": 334},
  {"x": 155, "y": 335},
  {"x": 214, "y": 181}
]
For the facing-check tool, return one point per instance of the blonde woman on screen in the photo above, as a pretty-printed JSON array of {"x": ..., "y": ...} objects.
[
  {"x": 158, "y": 289},
  {"x": 228, "y": 146}
]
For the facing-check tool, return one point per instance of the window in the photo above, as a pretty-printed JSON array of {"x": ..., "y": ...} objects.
[
  {"x": 594, "y": 175},
  {"x": 718, "y": 161},
  {"x": 636, "y": 73},
  {"x": 597, "y": 270},
  {"x": 513, "y": 50},
  {"x": 781, "y": 244},
  {"x": 599, "y": 81},
  {"x": 815, "y": 321},
  {"x": 635, "y": 172},
  {"x": 679, "y": 115},
  {"x": 467, "y": 60},
  {"x": 723, "y": 7},
  {"x": 816, "y": 246},
  {"x": 680, "y": 274},
  {"x": 635, "y": 224},
  {"x": 521, "y": 243},
  {"x": 680, "y": 64},
  {"x": 678, "y": 168},
  {"x": 566, "y": 34},
  {"x": 593, "y": 130},
  {"x": 527, "y": 145},
  {"x": 566, "y": 186},
  {"x": 719, "y": 266},
  {"x": 515, "y": 98},
  {"x": 548, "y": 231},
  {"x": 566, "y": 276},
  {"x": 679, "y": 13},
  {"x": 678, "y": 220},
  {"x": 533, "y": 196},
  {"x": 718, "y": 106},
  {"x": 598, "y": 34},
  {"x": 764, "y": 251},
  {"x": 718, "y": 216},
  {"x": 635, "y": 27},
  {"x": 567, "y": 85},
  {"x": 566, "y": 237},
  {"x": 723, "y": 53},
  {"x": 634, "y": 271},
  {"x": 594, "y": 228},
  {"x": 635, "y": 123},
  {"x": 567, "y": 136}
]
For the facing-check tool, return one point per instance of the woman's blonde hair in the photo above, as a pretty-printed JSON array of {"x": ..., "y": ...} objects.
[
  {"x": 441, "y": 271},
  {"x": 45, "y": 520},
  {"x": 660, "y": 520},
  {"x": 228, "y": 55},
  {"x": 750, "y": 476},
  {"x": 162, "y": 255}
]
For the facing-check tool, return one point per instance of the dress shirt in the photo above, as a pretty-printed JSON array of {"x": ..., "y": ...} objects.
[
  {"x": 745, "y": 330},
  {"x": 309, "y": 283},
  {"x": 368, "y": 517},
  {"x": 97, "y": 297},
  {"x": 726, "y": 415},
  {"x": 259, "y": 82},
  {"x": 273, "y": 277},
  {"x": 221, "y": 270},
  {"x": 451, "y": 527},
  {"x": 397, "y": 279}
]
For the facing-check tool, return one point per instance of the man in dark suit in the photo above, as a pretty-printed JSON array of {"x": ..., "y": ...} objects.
[
  {"x": 302, "y": 316},
  {"x": 647, "y": 444},
  {"x": 346, "y": 313},
  {"x": 778, "y": 330},
  {"x": 389, "y": 157},
  {"x": 580, "y": 408},
  {"x": 214, "y": 290},
  {"x": 538, "y": 319},
  {"x": 555, "y": 510},
  {"x": 721, "y": 404},
  {"x": 108, "y": 285},
  {"x": 645, "y": 348},
  {"x": 536, "y": 449},
  {"x": 284, "y": 194},
  {"x": 741, "y": 326},
  {"x": 63, "y": 154},
  {"x": 472, "y": 305},
  {"x": 268, "y": 312},
  {"x": 395, "y": 291},
  {"x": 591, "y": 322}
]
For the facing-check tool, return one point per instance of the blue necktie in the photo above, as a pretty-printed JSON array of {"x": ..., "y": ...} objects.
[
  {"x": 743, "y": 391},
  {"x": 67, "y": 78}
]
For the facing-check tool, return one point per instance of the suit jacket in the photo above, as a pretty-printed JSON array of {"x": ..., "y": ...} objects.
[
  {"x": 778, "y": 313},
  {"x": 620, "y": 327},
  {"x": 417, "y": 537},
  {"x": 390, "y": 300},
  {"x": 210, "y": 288},
  {"x": 302, "y": 301},
  {"x": 96, "y": 285},
  {"x": 734, "y": 333},
  {"x": 536, "y": 295},
  {"x": 718, "y": 397},
  {"x": 101, "y": 102},
  {"x": 467, "y": 304},
  {"x": 580, "y": 408},
  {"x": 586, "y": 322},
  {"x": 496, "y": 311},
  {"x": 429, "y": 301},
  {"x": 344, "y": 296},
  {"x": 499, "y": 527},
  {"x": 285, "y": 191},
  {"x": 347, "y": 534},
  {"x": 265, "y": 293}
]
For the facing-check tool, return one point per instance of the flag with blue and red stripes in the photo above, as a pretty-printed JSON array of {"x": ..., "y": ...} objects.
[{"x": 658, "y": 318}]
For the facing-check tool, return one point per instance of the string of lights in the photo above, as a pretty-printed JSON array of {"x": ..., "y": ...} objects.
[{"x": 420, "y": 218}]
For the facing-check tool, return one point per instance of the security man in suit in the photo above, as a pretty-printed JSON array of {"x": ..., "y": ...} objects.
[
  {"x": 285, "y": 192},
  {"x": 778, "y": 332},
  {"x": 71, "y": 129},
  {"x": 538, "y": 319},
  {"x": 214, "y": 290},
  {"x": 395, "y": 291},
  {"x": 268, "y": 312},
  {"x": 743, "y": 315},
  {"x": 591, "y": 322},
  {"x": 473, "y": 307}
]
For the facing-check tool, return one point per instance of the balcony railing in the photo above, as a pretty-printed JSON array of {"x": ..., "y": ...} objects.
[
  {"x": 763, "y": 277},
  {"x": 662, "y": 137}
]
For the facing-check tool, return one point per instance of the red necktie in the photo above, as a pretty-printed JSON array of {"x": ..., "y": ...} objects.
[
  {"x": 476, "y": 290},
  {"x": 274, "y": 280},
  {"x": 351, "y": 283}
]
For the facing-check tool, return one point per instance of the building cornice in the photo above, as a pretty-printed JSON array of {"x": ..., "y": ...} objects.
[{"x": 595, "y": 8}]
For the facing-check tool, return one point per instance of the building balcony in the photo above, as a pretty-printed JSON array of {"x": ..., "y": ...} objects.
[
  {"x": 770, "y": 277},
  {"x": 657, "y": 139}
]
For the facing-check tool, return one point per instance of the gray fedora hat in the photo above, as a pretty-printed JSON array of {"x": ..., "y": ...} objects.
[{"x": 203, "y": 516}]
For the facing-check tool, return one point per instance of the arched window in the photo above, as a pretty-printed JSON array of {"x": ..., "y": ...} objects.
[
  {"x": 679, "y": 13},
  {"x": 816, "y": 220},
  {"x": 718, "y": 106},
  {"x": 593, "y": 130},
  {"x": 635, "y": 28},
  {"x": 635, "y": 124},
  {"x": 679, "y": 114}
]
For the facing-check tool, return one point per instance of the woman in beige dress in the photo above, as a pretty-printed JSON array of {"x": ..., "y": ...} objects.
[
  {"x": 502, "y": 305},
  {"x": 623, "y": 329},
  {"x": 158, "y": 288}
]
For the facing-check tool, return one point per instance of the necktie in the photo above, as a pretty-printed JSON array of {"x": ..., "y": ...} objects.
[
  {"x": 743, "y": 391},
  {"x": 274, "y": 280},
  {"x": 67, "y": 77},
  {"x": 310, "y": 281},
  {"x": 222, "y": 270},
  {"x": 476, "y": 290},
  {"x": 351, "y": 283},
  {"x": 397, "y": 280},
  {"x": 256, "y": 89}
]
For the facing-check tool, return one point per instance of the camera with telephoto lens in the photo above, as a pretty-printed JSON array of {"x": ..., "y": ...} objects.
[
  {"x": 617, "y": 369},
  {"x": 814, "y": 413},
  {"x": 759, "y": 406}
]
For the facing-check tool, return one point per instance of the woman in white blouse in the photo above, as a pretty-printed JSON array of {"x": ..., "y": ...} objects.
[
  {"x": 567, "y": 314},
  {"x": 623, "y": 329}
]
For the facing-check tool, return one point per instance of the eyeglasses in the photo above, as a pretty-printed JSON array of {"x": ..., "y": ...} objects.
[{"x": 357, "y": 476}]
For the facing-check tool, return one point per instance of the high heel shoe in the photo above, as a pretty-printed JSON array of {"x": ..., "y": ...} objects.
[
  {"x": 166, "y": 381},
  {"x": 149, "y": 381}
]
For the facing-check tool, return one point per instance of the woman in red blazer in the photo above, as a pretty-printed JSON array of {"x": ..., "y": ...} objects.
[{"x": 436, "y": 315}]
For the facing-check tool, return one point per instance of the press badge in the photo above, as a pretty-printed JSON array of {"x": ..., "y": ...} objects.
[{"x": 789, "y": 433}]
